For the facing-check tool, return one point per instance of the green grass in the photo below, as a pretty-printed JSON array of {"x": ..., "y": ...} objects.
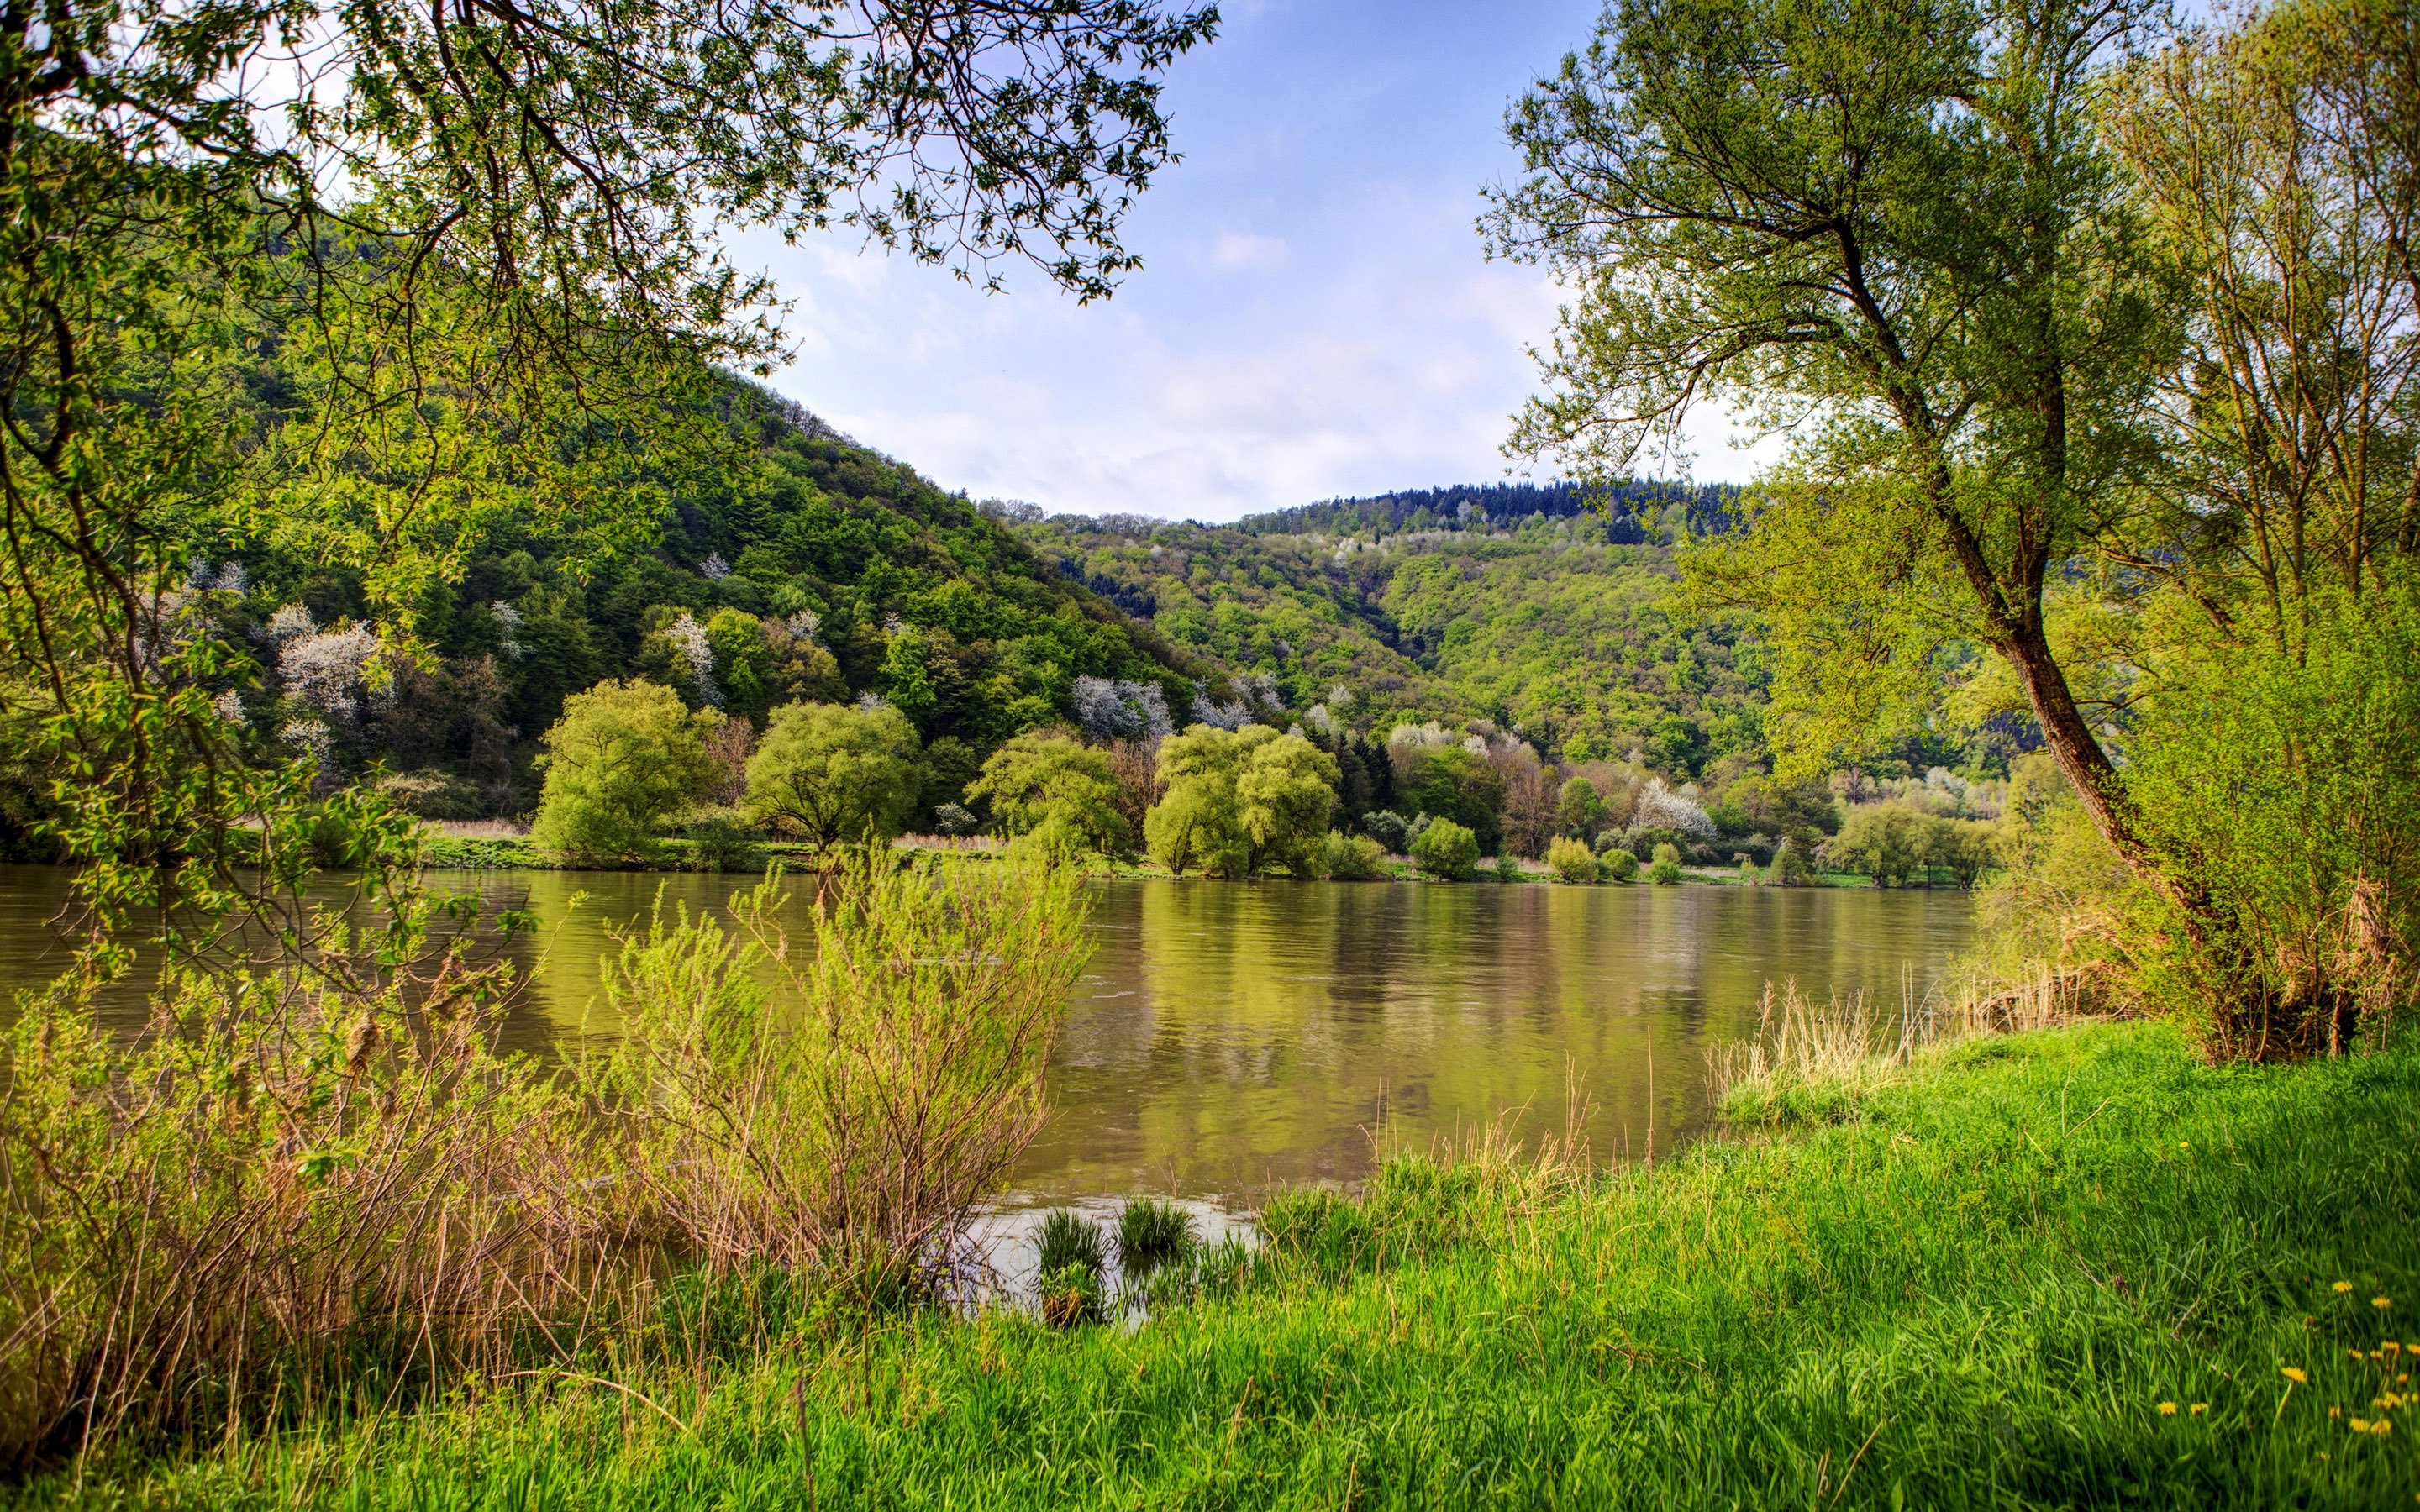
[{"x": 1977, "y": 1291}]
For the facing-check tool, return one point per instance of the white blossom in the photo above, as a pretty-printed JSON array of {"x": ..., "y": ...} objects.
[
  {"x": 689, "y": 642},
  {"x": 1121, "y": 710},
  {"x": 714, "y": 567},
  {"x": 803, "y": 624},
  {"x": 1660, "y": 808},
  {"x": 509, "y": 620},
  {"x": 229, "y": 706},
  {"x": 291, "y": 623},
  {"x": 325, "y": 672},
  {"x": 1225, "y": 716}
]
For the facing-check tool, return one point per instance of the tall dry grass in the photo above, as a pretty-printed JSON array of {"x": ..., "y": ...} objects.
[
  {"x": 1810, "y": 1062},
  {"x": 328, "y": 1178}
]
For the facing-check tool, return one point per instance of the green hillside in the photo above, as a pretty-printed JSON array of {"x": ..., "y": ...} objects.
[{"x": 1517, "y": 605}]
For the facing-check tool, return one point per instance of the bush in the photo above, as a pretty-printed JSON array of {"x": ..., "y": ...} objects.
[
  {"x": 1447, "y": 850},
  {"x": 955, "y": 820},
  {"x": 1351, "y": 857},
  {"x": 717, "y": 844},
  {"x": 622, "y": 759},
  {"x": 1572, "y": 861},
  {"x": 1665, "y": 868},
  {"x": 1389, "y": 829},
  {"x": 1507, "y": 866},
  {"x": 845, "y": 1104},
  {"x": 1620, "y": 866},
  {"x": 830, "y": 773},
  {"x": 1790, "y": 868}
]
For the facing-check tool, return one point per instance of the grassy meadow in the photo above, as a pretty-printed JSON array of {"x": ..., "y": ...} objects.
[{"x": 2071, "y": 1268}]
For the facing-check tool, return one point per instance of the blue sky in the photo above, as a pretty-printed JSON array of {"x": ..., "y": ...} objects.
[{"x": 1314, "y": 316}]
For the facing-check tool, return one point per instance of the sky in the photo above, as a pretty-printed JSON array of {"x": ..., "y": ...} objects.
[{"x": 1315, "y": 316}]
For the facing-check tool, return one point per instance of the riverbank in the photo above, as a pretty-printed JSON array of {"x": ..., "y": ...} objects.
[
  {"x": 2071, "y": 1268},
  {"x": 495, "y": 847}
]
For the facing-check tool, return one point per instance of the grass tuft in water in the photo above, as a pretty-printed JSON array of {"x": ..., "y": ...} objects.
[
  {"x": 1070, "y": 1241},
  {"x": 1152, "y": 1233}
]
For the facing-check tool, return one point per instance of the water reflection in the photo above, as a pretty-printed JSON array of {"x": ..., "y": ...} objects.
[{"x": 1229, "y": 1037}]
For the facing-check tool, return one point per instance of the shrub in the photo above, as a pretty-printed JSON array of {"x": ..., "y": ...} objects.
[
  {"x": 830, "y": 773},
  {"x": 1620, "y": 866},
  {"x": 1056, "y": 792},
  {"x": 1454, "y": 782},
  {"x": 1350, "y": 858},
  {"x": 845, "y": 1105},
  {"x": 1578, "y": 809},
  {"x": 1507, "y": 866},
  {"x": 622, "y": 759},
  {"x": 1665, "y": 868},
  {"x": 1447, "y": 850},
  {"x": 1572, "y": 861},
  {"x": 955, "y": 820},
  {"x": 1790, "y": 868},
  {"x": 717, "y": 844},
  {"x": 1387, "y": 828}
]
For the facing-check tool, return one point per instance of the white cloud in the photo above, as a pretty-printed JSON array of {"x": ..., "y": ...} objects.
[{"x": 1237, "y": 252}]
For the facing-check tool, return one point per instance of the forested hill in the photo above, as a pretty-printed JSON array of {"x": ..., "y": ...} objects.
[
  {"x": 825, "y": 572},
  {"x": 1635, "y": 513},
  {"x": 1516, "y": 605}
]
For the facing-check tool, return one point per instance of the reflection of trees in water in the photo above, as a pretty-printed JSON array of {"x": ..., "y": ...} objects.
[{"x": 1228, "y": 1033}]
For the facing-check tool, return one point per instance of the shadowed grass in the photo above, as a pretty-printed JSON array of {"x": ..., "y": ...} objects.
[{"x": 1981, "y": 1292}]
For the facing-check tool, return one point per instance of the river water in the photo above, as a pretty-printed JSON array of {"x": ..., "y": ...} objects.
[{"x": 1231, "y": 1037}]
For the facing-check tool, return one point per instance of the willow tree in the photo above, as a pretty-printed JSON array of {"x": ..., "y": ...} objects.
[
  {"x": 356, "y": 279},
  {"x": 1930, "y": 241}
]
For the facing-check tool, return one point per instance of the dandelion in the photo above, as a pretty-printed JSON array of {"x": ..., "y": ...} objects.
[
  {"x": 2392, "y": 1348},
  {"x": 2361, "y": 1424},
  {"x": 2295, "y": 1374},
  {"x": 2334, "y": 1412},
  {"x": 2168, "y": 1409},
  {"x": 2380, "y": 1303},
  {"x": 2382, "y": 1426},
  {"x": 2199, "y": 1407},
  {"x": 2344, "y": 1286}
]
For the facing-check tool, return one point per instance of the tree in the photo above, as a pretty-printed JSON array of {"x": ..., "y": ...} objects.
[
  {"x": 2107, "y": 363},
  {"x": 1665, "y": 869},
  {"x": 1057, "y": 789},
  {"x": 1454, "y": 782},
  {"x": 1239, "y": 801},
  {"x": 1887, "y": 842},
  {"x": 1447, "y": 850},
  {"x": 1193, "y": 826},
  {"x": 622, "y": 759},
  {"x": 485, "y": 246},
  {"x": 831, "y": 774},
  {"x": 1283, "y": 797},
  {"x": 1578, "y": 809},
  {"x": 1896, "y": 220},
  {"x": 743, "y": 662},
  {"x": 1532, "y": 808}
]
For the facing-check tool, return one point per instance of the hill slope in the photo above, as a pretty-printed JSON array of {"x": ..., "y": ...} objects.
[{"x": 1524, "y": 609}]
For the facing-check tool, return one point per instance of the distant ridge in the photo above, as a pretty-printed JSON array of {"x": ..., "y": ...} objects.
[{"x": 1708, "y": 508}]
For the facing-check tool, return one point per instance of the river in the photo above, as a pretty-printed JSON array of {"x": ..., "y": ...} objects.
[{"x": 1231, "y": 1037}]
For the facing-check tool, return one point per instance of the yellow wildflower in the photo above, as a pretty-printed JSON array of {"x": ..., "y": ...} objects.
[
  {"x": 2382, "y": 1426},
  {"x": 2294, "y": 1373},
  {"x": 2379, "y": 1301},
  {"x": 2361, "y": 1424},
  {"x": 2168, "y": 1409},
  {"x": 2334, "y": 1412},
  {"x": 2344, "y": 1286},
  {"x": 2392, "y": 1348},
  {"x": 2199, "y": 1407}
]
